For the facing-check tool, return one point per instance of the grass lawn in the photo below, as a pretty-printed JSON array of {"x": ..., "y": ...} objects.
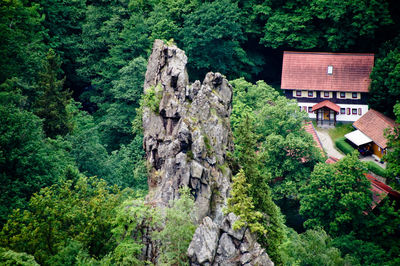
[{"x": 340, "y": 130}]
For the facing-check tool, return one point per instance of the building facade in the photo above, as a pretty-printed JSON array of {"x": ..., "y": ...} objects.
[{"x": 342, "y": 79}]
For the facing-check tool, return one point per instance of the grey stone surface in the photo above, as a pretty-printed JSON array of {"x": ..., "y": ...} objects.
[
  {"x": 205, "y": 242},
  {"x": 186, "y": 141}
]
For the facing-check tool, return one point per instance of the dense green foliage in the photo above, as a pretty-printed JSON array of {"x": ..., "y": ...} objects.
[
  {"x": 393, "y": 155},
  {"x": 52, "y": 101},
  {"x": 344, "y": 146},
  {"x": 251, "y": 195},
  {"x": 71, "y": 78},
  {"x": 343, "y": 195},
  {"x": 313, "y": 247},
  {"x": 179, "y": 227},
  {"x": 385, "y": 84},
  {"x": 28, "y": 160},
  {"x": 80, "y": 209},
  {"x": 241, "y": 204}
]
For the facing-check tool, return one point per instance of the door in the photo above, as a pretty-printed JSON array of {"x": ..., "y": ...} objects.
[{"x": 326, "y": 114}]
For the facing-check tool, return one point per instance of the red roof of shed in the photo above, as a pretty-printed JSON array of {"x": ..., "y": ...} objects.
[
  {"x": 327, "y": 104},
  {"x": 373, "y": 124},
  {"x": 308, "y": 71}
]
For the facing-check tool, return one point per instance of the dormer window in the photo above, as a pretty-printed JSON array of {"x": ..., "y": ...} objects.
[{"x": 330, "y": 70}]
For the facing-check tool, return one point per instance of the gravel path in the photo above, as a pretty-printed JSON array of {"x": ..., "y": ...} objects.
[{"x": 327, "y": 144}]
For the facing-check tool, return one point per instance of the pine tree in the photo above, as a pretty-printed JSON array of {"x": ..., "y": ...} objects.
[
  {"x": 52, "y": 102},
  {"x": 258, "y": 190}
]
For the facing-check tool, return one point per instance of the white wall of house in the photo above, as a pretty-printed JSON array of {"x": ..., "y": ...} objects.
[{"x": 346, "y": 117}]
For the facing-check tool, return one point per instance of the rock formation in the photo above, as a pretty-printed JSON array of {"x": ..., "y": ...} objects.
[{"x": 187, "y": 137}]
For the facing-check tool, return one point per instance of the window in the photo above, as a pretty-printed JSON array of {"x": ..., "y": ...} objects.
[
  {"x": 354, "y": 95},
  {"x": 310, "y": 109},
  {"x": 310, "y": 94},
  {"x": 348, "y": 111},
  {"x": 342, "y": 111},
  {"x": 298, "y": 93},
  {"x": 354, "y": 111},
  {"x": 305, "y": 108},
  {"x": 342, "y": 95},
  {"x": 359, "y": 111},
  {"x": 326, "y": 94},
  {"x": 330, "y": 70}
]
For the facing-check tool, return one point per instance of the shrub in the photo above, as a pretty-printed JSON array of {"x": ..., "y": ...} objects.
[
  {"x": 376, "y": 169},
  {"x": 342, "y": 145},
  {"x": 153, "y": 97}
]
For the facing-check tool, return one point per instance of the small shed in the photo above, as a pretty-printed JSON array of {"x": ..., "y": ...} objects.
[{"x": 371, "y": 128}]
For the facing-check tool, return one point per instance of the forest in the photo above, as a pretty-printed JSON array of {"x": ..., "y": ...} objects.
[{"x": 71, "y": 139}]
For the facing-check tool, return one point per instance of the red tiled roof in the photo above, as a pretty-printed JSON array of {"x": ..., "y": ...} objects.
[
  {"x": 308, "y": 71},
  {"x": 382, "y": 186},
  {"x": 331, "y": 160},
  {"x": 380, "y": 190},
  {"x": 373, "y": 124},
  {"x": 327, "y": 104},
  {"x": 310, "y": 129}
]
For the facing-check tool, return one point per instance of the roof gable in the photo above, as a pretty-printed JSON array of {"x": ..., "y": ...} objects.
[
  {"x": 373, "y": 124},
  {"x": 327, "y": 104},
  {"x": 309, "y": 71}
]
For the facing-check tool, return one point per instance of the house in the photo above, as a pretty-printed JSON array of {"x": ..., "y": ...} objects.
[
  {"x": 380, "y": 190},
  {"x": 370, "y": 132},
  {"x": 330, "y": 87}
]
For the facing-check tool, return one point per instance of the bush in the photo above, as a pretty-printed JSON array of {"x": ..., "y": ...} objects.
[
  {"x": 342, "y": 145},
  {"x": 376, "y": 169}
]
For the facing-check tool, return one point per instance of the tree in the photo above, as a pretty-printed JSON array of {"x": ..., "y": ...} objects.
[
  {"x": 337, "y": 196},
  {"x": 28, "y": 161},
  {"x": 385, "y": 82},
  {"x": 9, "y": 257},
  {"x": 363, "y": 252},
  {"x": 313, "y": 247},
  {"x": 89, "y": 153},
  {"x": 256, "y": 192},
  {"x": 241, "y": 204},
  {"x": 80, "y": 209},
  {"x": 393, "y": 155},
  {"x": 215, "y": 25},
  {"x": 127, "y": 166},
  {"x": 21, "y": 35},
  {"x": 63, "y": 23},
  {"x": 51, "y": 104},
  {"x": 120, "y": 110},
  {"x": 333, "y": 25},
  {"x": 178, "y": 231},
  {"x": 288, "y": 151}
]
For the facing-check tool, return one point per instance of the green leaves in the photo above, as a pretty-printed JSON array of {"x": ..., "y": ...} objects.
[
  {"x": 80, "y": 210},
  {"x": 28, "y": 161},
  {"x": 178, "y": 231},
  {"x": 212, "y": 37},
  {"x": 22, "y": 36},
  {"x": 333, "y": 25},
  {"x": 385, "y": 82},
  {"x": 336, "y": 196},
  {"x": 51, "y": 104},
  {"x": 241, "y": 204}
]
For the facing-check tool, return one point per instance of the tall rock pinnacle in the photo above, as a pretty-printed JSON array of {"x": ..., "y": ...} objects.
[{"x": 187, "y": 137}]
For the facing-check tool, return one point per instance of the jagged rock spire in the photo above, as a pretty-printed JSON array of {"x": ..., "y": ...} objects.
[{"x": 187, "y": 137}]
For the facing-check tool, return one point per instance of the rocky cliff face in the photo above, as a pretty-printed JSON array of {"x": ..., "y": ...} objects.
[{"x": 186, "y": 138}]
